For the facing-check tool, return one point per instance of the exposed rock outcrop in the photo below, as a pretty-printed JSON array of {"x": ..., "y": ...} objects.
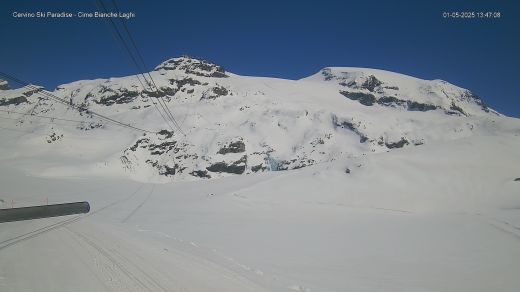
[
  {"x": 193, "y": 66},
  {"x": 237, "y": 167},
  {"x": 233, "y": 147},
  {"x": 363, "y": 98}
]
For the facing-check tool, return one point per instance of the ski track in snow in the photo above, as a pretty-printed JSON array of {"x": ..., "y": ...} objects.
[
  {"x": 116, "y": 259},
  {"x": 139, "y": 206},
  {"x": 213, "y": 250}
]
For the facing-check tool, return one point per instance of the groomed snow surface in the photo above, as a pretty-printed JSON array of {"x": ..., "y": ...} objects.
[{"x": 440, "y": 217}]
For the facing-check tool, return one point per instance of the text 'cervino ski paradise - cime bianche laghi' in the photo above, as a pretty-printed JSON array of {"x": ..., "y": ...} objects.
[{"x": 81, "y": 14}]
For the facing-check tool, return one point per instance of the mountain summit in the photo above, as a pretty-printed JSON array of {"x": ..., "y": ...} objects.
[{"x": 188, "y": 65}]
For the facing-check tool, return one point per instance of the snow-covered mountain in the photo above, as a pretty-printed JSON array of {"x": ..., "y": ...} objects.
[{"x": 234, "y": 124}]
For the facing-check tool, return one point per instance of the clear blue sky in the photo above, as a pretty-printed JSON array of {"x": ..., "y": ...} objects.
[{"x": 287, "y": 39}]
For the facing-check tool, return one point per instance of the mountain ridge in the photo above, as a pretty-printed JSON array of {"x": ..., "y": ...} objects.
[{"x": 241, "y": 124}]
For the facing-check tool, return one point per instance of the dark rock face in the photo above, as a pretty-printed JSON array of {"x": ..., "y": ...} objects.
[
  {"x": 517, "y": 179},
  {"x": 187, "y": 80},
  {"x": 229, "y": 168},
  {"x": 371, "y": 83},
  {"x": 214, "y": 93},
  {"x": 181, "y": 84},
  {"x": 220, "y": 91},
  {"x": 201, "y": 173},
  {"x": 398, "y": 144},
  {"x": 327, "y": 74},
  {"x": 167, "y": 170},
  {"x": 363, "y": 98},
  {"x": 165, "y": 134},
  {"x": 259, "y": 167},
  {"x": 158, "y": 149},
  {"x": 15, "y": 101},
  {"x": 237, "y": 167},
  {"x": 369, "y": 100},
  {"x": 111, "y": 96},
  {"x": 139, "y": 143},
  {"x": 409, "y": 105},
  {"x": 218, "y": 73},
  {"x": 194, "y": 66},
  {"x": 351, "y": 84},
  {"x": 124, "y": 95},
  {"x": 155, "y": 149},
  {"x": 374, "y": 85},
  {"x": 4, "y": 85},
  {"x": 391, "y": 101},
  {"x": 233, "y": 147},
  {"x": 295, "y": 163},
  {"x": 456, "y": 109},
  {"x": 349, "y": 125},
  {"x": 161, "y": 92},
  {"x": 162, "y": 152},
  {"x": 468, "y": 95},
  {"x": 422, "y": 107},
  {"x": 126, "y": 162}
]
